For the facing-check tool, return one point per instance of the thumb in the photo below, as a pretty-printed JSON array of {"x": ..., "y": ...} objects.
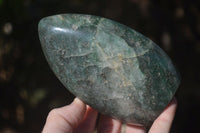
[{"x": 65, "y": 119}]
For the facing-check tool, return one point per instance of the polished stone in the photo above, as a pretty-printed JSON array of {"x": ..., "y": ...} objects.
[{"x": 109, "y": 66}]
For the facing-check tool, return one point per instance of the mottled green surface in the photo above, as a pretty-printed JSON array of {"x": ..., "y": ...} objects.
[{"x": 111, "y": 67}]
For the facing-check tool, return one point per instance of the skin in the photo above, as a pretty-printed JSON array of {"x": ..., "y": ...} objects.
[{"x": 80, "y": 118}]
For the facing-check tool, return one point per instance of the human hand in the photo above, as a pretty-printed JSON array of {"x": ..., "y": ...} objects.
[{"x": 80, "y": 118}]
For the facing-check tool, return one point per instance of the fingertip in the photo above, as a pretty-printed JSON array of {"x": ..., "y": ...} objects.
[
  {"x": 66, "y": 118},
  {"x": 78, "y": 101},
  {"x": 164, "y": 121},
  {"x": 171, "y": 107},
  {"x": 88, "y": 123},
  {"x": 78, "y": 104},
  {"x": 174, "y": 101}
]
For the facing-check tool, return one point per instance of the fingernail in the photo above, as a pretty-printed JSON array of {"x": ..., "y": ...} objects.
[{"x": 77, "y": 100}]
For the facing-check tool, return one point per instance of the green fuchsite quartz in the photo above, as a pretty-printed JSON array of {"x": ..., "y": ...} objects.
[{"x": 109, "y": 66}]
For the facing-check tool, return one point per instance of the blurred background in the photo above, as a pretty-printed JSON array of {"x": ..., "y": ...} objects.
[{"x": 29, "y": 89}]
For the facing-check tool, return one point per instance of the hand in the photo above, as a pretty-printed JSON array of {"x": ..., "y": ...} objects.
[{"x": 79, "y": 118}]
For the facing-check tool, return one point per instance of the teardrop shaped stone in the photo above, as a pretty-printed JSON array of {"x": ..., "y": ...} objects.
[{"x": 109, "y": 66}]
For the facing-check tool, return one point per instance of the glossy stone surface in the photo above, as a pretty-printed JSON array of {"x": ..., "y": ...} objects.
[{"x": 109, "y": 66}]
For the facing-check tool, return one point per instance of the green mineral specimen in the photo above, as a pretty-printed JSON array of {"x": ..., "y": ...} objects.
[{"x": 109, "y": 66}]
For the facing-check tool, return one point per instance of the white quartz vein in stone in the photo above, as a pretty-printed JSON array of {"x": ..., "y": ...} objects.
[{"x": 78, "y": 55}]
